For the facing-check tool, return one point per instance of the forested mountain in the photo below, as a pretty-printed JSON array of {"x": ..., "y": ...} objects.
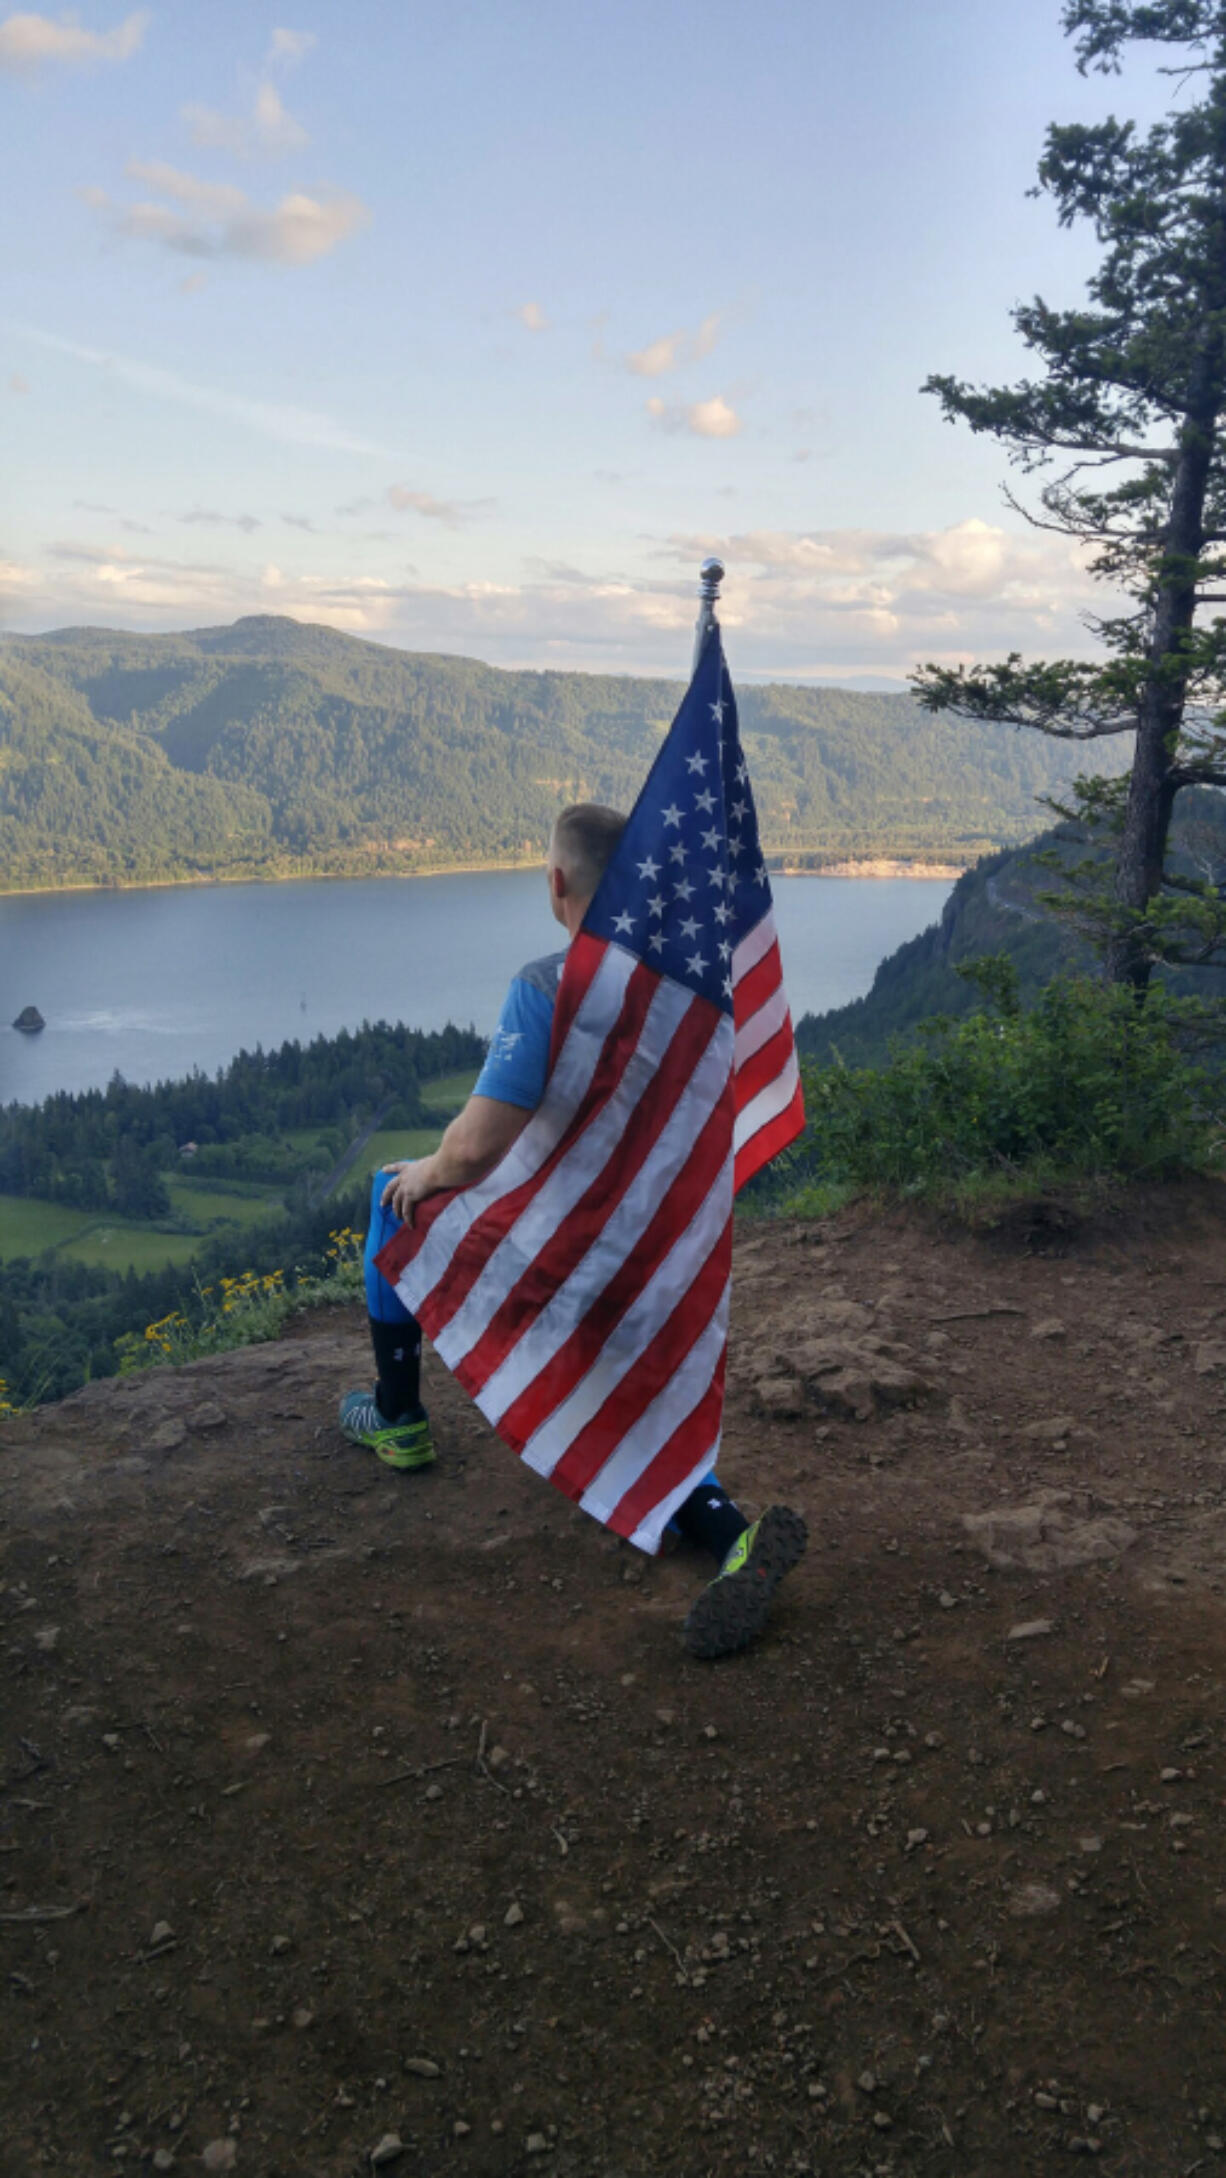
[
  {"x": 997, "y": 907},
  {"x": 270, "y": 748}
]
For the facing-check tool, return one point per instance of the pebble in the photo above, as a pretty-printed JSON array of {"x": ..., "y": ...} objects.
[
  {"x": 513, "y": 1915},
  {"x": 1073, "y": 1731},
  {"x": 1048, "y": 1327},
  {"x": 497, "y": 1758},
  {"x": 882, "y": 2120},
  {"x": 434, "y": 1792},
  {"x": 303, "y": 2018},
  {"x": 1030, "y": 1629},
  {"x": 867, "y": 2083},
  {"x": 279, "y": 1945},
  {"x": 460, "y": 2129},
  {"x": 422, "y": 2068},
  {"x": 916, "y": 1837},
  {"x": 163, "y": 2159},
  {"x": 709, "y": 1732},
  {"x": 536, "y": 2144},
  {"x": 219, "y": 2155},
  {"x": 1171, "y": 1776},
  {"x": 386, "y": 2151},
  {"x": 162, "y": 1934},
  {"x": 46, "y": 1638},
  {"x": 946, "y": 1601}
]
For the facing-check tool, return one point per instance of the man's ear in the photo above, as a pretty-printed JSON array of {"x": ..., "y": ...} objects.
[{"x": 558, "y": 886}]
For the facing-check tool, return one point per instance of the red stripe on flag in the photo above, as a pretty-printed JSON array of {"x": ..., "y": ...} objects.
[
  {"x": 564, "y": 1370},
  {"x": 659, "y": 1361},
  {"x": 757, "y": 985},
  {"x": 486, "y": 1231},
  {"x": 565, "y": 1248},
  {"x": 691, "y": 1441},
  {"x": 583, "y": 958},
  {"x": 582, "y": 961},
  {"x": 763, "y": 1065},
  {"x": 769, "y": 1140}
]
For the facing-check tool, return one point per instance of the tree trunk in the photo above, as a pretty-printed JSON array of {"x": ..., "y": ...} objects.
[{"x": 1152, "y": 788}]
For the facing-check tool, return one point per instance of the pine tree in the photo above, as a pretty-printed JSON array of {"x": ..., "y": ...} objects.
[{"x": 1127, "y": 410}]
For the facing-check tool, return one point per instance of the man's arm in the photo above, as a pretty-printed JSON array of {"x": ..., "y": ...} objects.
[{"x": 477, "y": 1139}]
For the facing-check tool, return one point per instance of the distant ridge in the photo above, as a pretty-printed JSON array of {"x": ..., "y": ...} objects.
[{"x": 275, "y": 748}]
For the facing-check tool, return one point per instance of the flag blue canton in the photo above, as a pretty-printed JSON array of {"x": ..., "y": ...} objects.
[{"x": 688, "y": 880}]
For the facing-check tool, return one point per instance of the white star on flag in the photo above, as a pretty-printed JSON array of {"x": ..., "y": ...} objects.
[
  {"x": 623, "y": 924},
  {"x": 671, "y": 815},
  {"x": 697, "y": 762},
  {"x": 705, "y": 801},
  {"x": 649, "y": 869}
]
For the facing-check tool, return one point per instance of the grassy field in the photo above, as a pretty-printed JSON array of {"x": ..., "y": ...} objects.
[
  {"x": 447, "y": 1092},
  {"x": 218, "y": 1205},
  {"x": 392, "y": 1143},
  {"x": 28, "y": 1227}
]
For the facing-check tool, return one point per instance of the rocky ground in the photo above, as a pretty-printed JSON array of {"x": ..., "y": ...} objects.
[{"x": 343, "y": 1812}]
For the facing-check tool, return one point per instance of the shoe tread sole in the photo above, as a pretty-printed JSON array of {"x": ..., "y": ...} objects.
[{"x": 733, "y": 1609}]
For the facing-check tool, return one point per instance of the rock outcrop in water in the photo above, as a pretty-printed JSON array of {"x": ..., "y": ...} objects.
[{"x": 29, "y": 1021}]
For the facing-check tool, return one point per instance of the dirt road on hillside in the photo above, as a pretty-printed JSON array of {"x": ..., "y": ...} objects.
[{"x": 340, "y": 1808}]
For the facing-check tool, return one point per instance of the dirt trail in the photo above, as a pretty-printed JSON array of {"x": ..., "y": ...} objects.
[{"x": 338, "y": 1805}]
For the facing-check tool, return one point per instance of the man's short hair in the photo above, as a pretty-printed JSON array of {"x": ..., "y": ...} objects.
[{"x": 584, "y": 837}]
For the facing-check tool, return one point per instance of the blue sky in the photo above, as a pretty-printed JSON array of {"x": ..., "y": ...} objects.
[{"x": 473, "y": 326}]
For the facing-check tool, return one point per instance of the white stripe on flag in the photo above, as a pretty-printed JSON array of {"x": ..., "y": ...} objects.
[
  {"x": 761, "y": 1025},
  {"x": 620, "y": 1234},
  {"x": 577, "y": 1062},
  {"x": 628, "y": 1340},
  {"x": 753, "y": 945},
  {"x": 678, "y": 1397},
  {"x": 549, "y": 1207},
  {"x": 768, "y": 1103},
  {"x": 649, "y": 1530}
]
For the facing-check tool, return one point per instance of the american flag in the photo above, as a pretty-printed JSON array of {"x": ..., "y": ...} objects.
[{"x": 580, "y": 1292}]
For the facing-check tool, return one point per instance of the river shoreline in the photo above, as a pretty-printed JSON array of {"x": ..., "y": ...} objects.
[{"x": 869, "y": 867}]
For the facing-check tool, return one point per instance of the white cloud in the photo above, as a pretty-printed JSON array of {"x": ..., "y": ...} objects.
[
  {"x": 408, "y": 501},
  {"x": 673, "y": 349},
  {"x": 713, "y": 419},
  {"x": 268, "y": 130},
  {"x": 280, "y": 420},
  {"x": 27, "y": 41},
  {"x": 796, "y": 605},
  {"x": 210, "y": 518},
  {"x": 217, "y": 219},
  {"x": 532, "y": 315},
  {"x": 288, "y": 47}
]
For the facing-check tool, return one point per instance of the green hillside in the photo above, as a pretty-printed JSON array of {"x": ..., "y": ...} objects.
[
  {"x": 270, "y": 748},
  {"x": 995, "y": 907}
]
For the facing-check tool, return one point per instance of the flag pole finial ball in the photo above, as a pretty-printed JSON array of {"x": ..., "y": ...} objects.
[{"x": 710, "y": 575}]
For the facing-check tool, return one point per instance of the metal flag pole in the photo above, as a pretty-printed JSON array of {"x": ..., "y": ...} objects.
[{"x": 710, "y": 576}]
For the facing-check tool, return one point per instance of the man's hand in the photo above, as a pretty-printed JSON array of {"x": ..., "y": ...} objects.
[
  {"x": 472, "y": 1145},
  {"x": 410, "y": 1184}
]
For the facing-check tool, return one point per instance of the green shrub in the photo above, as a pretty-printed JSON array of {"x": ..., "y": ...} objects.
[{"x": 1086, "y": 1085}]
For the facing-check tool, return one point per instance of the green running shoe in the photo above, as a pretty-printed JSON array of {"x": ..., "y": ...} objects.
[
  {"x": 398, "y": 1444},
  {"x": 734, "y": 1608}
]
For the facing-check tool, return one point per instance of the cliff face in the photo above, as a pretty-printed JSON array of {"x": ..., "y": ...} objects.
[{"x": 340, "y": 1805}]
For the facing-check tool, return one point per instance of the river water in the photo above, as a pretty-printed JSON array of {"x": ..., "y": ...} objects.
[{"x": 154, "y": 983}]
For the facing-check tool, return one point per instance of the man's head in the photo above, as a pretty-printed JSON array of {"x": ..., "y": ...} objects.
[{"x": 580, "y": 846}]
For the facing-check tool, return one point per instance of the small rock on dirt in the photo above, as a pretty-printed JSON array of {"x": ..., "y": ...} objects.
[
  {"x": 219, "y": 2155},
  {"x": 208, "y": 1415},
  {"x": 422, "y": 2068},
  {"x": 162, "y": 1934},
  {"x": 1044, "y": 1538},
  {"x": 1030, "y": 1901},
  {"x": 1029, "y": 1629},
  {"x": 513, "y": 1915},
  {"x": 386, "y": 2150},
  {"x": 536, "y": 2144},
  {"x": 1048, "y": 1327}
]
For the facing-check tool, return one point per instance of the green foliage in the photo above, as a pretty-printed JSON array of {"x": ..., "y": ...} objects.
[
  {"x": 1125, "y": 413},
  {"x": 244, "y": 1310},
  {"x": 269, "y": 749},
  {"x": 1085, "y": 1085}
]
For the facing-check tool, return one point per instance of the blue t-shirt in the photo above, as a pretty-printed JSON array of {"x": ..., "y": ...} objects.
[{"x": 517, "y": 1062}]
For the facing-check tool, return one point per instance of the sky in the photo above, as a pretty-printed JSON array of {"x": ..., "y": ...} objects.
[{"x": 473, "y": 326}]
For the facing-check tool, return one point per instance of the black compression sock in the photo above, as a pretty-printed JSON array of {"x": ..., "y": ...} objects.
[
  {"x": 709, "y": 1518},
  {"x": 398, "y": 1360}
]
